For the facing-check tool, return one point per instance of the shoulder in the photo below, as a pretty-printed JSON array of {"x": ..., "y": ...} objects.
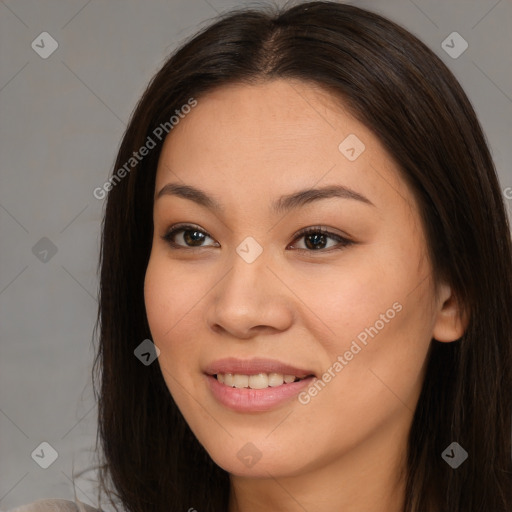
[{"x": 54, "y": 505}]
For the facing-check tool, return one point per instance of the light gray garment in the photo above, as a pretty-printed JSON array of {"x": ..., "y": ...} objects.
[{"x": 54, "y": 505}]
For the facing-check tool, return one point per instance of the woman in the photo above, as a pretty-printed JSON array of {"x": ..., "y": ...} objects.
[{"x": 306, "y": 271}]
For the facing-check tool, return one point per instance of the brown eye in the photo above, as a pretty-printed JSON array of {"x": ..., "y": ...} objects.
[
  {"x": 183, "y": 236},
  {"x": 316, "y": 239}
]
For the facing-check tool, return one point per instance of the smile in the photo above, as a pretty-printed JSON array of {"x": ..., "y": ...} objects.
[{"x": 255, "y": 385}]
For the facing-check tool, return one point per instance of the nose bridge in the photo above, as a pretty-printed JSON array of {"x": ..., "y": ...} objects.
[
  {"x": 249, "y": 295},
  {"x": 248, "y": 270}
]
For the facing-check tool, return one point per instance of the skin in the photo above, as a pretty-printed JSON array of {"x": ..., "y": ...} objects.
[{"x": 246, "y": 145}]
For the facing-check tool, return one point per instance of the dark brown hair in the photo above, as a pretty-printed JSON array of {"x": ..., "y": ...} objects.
[{"x": 395, "y": 85}]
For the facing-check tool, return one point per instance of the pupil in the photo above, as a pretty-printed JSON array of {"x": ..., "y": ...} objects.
[
  {"x": 316, "y": 237},
  {"x": 195, "y": 238}
]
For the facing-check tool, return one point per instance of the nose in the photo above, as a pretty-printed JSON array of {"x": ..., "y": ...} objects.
[{"x": 250, "y": 300}]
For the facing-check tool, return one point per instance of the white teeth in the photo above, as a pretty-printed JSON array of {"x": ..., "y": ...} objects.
[
  {"x": 275, "y": 379},
  {"x": 258, "y": 381},
  {"x": 241, "y": 381}
]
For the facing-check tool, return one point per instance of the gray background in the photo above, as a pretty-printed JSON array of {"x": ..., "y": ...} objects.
[{"x": 61, "y": 121}]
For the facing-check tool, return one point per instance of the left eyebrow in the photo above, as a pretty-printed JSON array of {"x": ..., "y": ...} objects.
[{"x": 302, "y": 197}]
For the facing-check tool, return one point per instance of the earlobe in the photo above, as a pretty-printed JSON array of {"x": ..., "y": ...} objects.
[{"x": 451, "y": 321}]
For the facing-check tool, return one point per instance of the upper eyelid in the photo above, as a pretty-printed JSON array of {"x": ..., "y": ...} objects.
[{"x": 186, "y": 227}]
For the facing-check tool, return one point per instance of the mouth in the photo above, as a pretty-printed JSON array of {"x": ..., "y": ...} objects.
[{"x": 255, "y": 385}]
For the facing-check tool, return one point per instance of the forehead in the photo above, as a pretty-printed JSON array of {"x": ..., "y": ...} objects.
[
  {"x": 276, "y": 113},
  {"x": 276, "y": 135}
]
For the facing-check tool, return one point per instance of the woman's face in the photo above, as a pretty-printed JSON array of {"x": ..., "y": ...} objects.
[{"x": 242, "y": 292}]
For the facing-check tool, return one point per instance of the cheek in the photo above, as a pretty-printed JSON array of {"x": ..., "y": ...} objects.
[
  {"x": 377, "y": 317},
  {"x": 172, "y": 299},
  {"x": 157, "y": 297},
  {"x": 170, "y": 296},
  {"x": 351, "y": 297}
]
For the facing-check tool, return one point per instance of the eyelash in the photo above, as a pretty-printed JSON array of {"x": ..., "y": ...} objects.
[{"x": 342, "y": 241}]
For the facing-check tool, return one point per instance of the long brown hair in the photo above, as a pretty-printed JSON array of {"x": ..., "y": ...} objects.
[{"x": 395, "y": 85}]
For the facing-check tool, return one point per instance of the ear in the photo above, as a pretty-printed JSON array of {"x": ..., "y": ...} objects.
[{"x": 451, "y": 322}]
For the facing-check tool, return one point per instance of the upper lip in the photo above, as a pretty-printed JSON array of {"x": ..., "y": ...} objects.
[{"x": 254, "y": 366}]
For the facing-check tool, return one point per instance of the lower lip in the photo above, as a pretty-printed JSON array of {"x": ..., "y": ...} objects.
[{"x": 255, "y": 400}]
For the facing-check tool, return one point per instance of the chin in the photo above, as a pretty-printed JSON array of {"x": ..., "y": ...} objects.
[{"x": 247, "y": 460}]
